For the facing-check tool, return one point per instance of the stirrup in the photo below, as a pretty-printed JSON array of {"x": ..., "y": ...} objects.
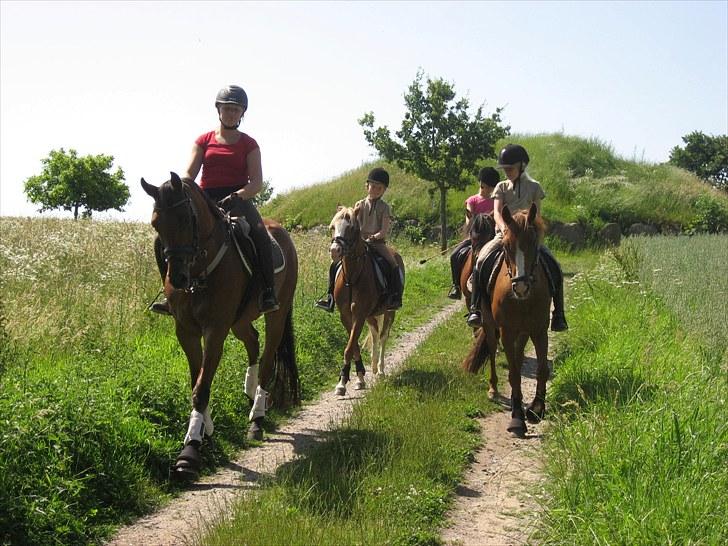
[
  {"x": 160, "y": 307},
  {"x": 454, "y": 293},
  {"x": 267, "y": 303},
  {"x": 474, "y": 319},
  {"x": 327, "y": 303}
]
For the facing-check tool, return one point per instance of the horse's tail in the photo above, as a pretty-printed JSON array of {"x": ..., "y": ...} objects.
[
  {"x": 478, "y": 353},
  {"x": 287, "y": 387}
]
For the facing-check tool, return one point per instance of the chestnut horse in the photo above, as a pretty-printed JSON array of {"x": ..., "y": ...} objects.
[
  {"x": 209, "y": 294},
  {"x": 518, "y": 308},
  {"x": 359, "y": 297}
]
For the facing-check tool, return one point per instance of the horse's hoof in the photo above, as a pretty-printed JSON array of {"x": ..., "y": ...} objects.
[
  {"x": 340, "y": 390},
  {"x": 380, "y": 373},
  {"x": 517, "y": 428},
  {"x": 534, "y": 416},
  {"x": 492, "y": 394},
  {"x": 187, "y": 466},
  {"x": 360, "y": 385},
  {"x": 255, "y": 432}
]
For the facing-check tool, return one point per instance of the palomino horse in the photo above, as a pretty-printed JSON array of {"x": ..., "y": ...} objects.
[
  {"x": 518, "y": 308},
  {"x": 209, "y": 294},
  {"x": 359, "y": 297}
]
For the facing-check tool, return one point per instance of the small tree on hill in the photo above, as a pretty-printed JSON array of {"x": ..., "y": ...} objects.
[
  {"x": 704, "y": 155},
  {"x": 263, "y": 196},
  {"x": 439, "y": 141},
  {"x": 70, "y": 182}
]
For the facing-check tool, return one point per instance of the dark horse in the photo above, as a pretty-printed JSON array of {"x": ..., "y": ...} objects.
[
  {"x": 518, "y": 308},
  {"x": 209, "y": 294},
  {"x": 480, "y": 230},
  {"x": 359, "y": 297}
]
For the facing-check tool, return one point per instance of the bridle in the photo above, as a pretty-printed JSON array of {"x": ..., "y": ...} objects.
[
  {"x": 191, "y": 253},
  {"x": 348, "y": 249},
  {"x": 528, "y": 278}
]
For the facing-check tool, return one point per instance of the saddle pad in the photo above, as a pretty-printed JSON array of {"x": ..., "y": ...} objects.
[{"x": 279, "y": 261}]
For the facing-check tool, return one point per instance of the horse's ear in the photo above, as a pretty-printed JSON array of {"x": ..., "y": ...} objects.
[
  {"x": 152, "y": 191},
  {"x": 176, "y": 182},
  {"x": 506, "y": 214},
  {"x": 339, "y": 207},
  {"x": 532, "y": 212}
]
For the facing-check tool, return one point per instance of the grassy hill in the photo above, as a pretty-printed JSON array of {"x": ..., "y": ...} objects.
[{"x": 584, "y": 181}]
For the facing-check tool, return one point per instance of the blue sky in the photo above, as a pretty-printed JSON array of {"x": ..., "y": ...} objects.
[{"x": 137, "y": 80}]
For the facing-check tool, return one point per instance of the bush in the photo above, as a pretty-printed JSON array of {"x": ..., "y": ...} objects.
[{"x": 710, "y": 217}]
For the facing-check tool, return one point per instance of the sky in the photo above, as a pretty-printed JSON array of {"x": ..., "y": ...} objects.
[{"x": 137, "y": 80}]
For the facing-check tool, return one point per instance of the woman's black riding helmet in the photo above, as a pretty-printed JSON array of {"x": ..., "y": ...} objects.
[{"x": 232, "y": 94}]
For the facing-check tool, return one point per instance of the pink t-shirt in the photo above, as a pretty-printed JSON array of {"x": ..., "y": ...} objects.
[
  {"x": 479, "y": 205},
  {"x": 225, "y": 165}
]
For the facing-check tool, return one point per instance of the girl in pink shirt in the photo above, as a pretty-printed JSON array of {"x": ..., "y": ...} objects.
[{"x": 480, "y": 203}]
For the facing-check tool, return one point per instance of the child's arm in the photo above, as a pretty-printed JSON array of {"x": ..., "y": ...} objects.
[{"x": 382, "y": 233}]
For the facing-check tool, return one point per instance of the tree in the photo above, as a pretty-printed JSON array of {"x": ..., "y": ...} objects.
[
  {"x": 704, "y": 155},
  {"x": 262, "y": 197},
  {"x": 439, "y": 141},
  {"x": 70, "y": 182}
]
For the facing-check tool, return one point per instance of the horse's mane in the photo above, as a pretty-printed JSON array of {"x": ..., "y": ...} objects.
[{"x": 343, "y": 211}]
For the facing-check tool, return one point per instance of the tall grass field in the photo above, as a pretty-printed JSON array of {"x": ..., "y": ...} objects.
[
  {"x": 94, "y": 389},
  {"x": 638, "y": 453}
]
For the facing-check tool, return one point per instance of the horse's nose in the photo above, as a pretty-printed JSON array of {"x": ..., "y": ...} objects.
[
  {"x": 180, "y": 280},
  {"x": 335, "y": 252}
]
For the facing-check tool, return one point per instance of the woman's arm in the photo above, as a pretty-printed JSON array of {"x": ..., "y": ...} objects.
[
  {"x": 195, "y": 163},
  {"x": 255, "y": 176},
  {"x": 498, "y": 214}
]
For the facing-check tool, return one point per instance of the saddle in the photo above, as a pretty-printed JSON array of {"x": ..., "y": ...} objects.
[
  {"x": 491, "y": 265},
  {"x": 240, "y": 230},
  {"x": 383, "y": 270}
]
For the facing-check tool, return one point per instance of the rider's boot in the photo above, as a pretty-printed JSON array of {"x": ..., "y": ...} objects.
[
  {"x": 474, "y": 317},
  {"x": 327, "y": 302},
  {"x": 558, "y": 318},
  {"x": 454, "y": 293},
  {"x": 394, "y": 300}
]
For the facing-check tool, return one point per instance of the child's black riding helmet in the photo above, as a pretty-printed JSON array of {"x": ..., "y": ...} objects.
[
  {"x": 377, "y": 174},
  {"x": 488, "y": 176}
]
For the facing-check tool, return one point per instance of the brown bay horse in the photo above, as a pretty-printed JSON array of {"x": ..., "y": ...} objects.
[
  {"x": 480, "y": 230},
  {"x": 359, "y": 297},
  {"x": 210, "y": 293},
  {"x": 518, "y": 309}
]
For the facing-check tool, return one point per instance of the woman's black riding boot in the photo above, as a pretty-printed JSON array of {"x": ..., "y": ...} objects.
[
  {"x": 454, "y": 293},
  {"x": 161, "y": 307},
  {"x": 327, "y": 303},
  {"x": 558, "y": 318},
  {"x": 267, "y": 300}
]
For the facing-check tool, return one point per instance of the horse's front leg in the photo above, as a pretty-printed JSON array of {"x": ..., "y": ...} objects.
[
  {"x": 514, "y": 346},
  {"x": 352, "y": 352},
  {"x": 537, "y": 409},
  {"x": 200, "y": 424}
]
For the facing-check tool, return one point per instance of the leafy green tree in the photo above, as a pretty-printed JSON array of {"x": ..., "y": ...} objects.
[
  {"x": 438, "y": 141},
  {"x": 264, "y": 194},
  {"x": 704, "y": 155},
  {"x": 70, "y": 182}
]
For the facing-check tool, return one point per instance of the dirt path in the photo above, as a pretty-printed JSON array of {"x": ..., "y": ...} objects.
[
  {"x": 207, "y": 500},
  {"x": 494, "y": 504}
]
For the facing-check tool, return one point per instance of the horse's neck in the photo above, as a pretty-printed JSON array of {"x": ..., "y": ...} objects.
[{"x": 356, "y": 260}]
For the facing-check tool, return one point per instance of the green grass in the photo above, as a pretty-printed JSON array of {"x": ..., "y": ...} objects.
[
  {"x": 638, "y": 451},
  {"x": 388, "y": 474},
  {"x": 95, "y": 389}
]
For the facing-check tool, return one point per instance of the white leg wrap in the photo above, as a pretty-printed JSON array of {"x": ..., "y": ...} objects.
[
  {"x": 251, "y": 380},
  {"x": 209, "y": 427},
  {"x": 258, "y": 409},
  {"x": 196, "y": 429}
]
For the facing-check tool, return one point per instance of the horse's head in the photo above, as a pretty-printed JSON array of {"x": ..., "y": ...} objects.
[
  {"x": 481, "y": 229},
  {"x": 345, "y": 232},
  {"x": 175, "y": 220},
  {"x": 521, "y": 241}
]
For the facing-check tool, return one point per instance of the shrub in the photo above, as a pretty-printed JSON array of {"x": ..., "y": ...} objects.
[{"x": 710, "y": 216}]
